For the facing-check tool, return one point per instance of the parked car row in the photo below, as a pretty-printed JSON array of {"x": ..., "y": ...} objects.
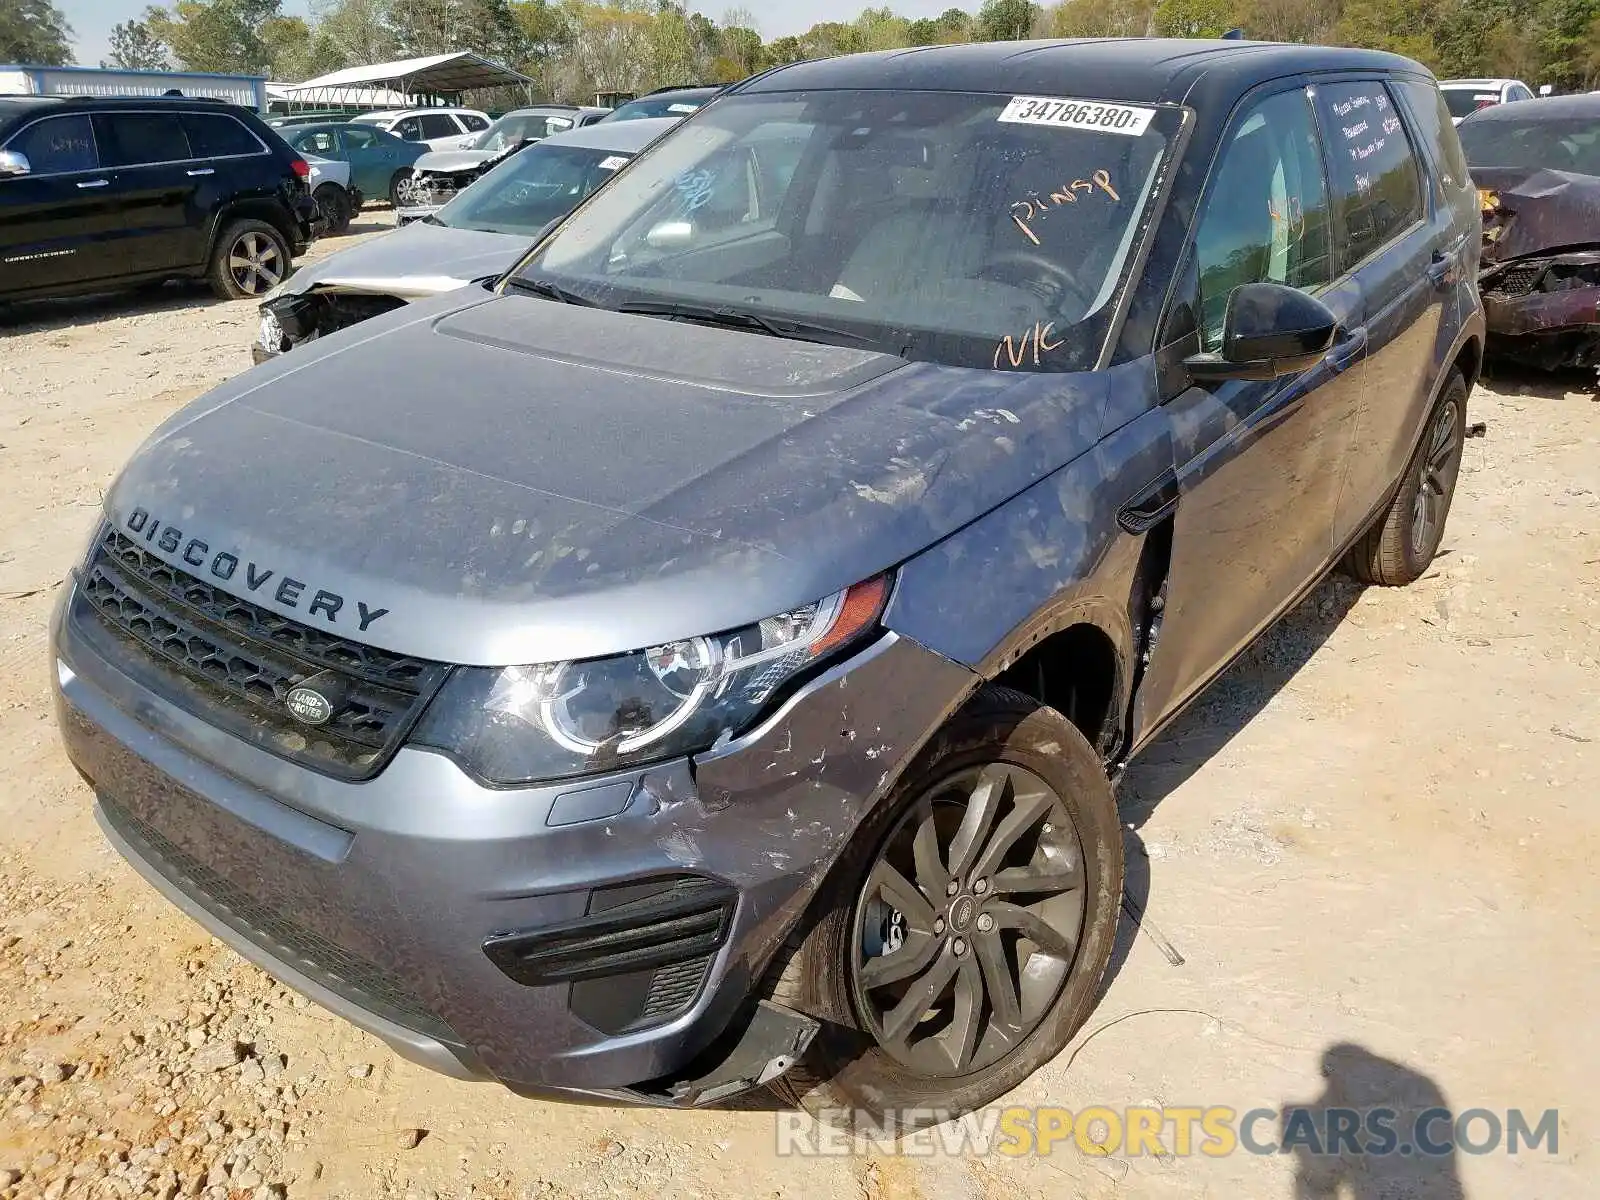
[
  {"x": 693, "y": 657},
  {"x": 477, "y": 234}
]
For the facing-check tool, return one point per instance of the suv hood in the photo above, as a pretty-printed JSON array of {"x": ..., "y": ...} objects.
[
  {"x": 450, "y": 161},
  {"x": 513, "y": 480},
  {"x": 1541, "y": 211},
  {"x": 419, "y": 259}
]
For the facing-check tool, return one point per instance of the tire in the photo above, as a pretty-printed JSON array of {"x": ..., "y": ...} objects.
[
  {"x": 1401, "y": 543},
  {"x": 850, "y": 1064},
  {"x": 336, "y": 207},
  {"x": 399, "y": 187},
  {"x": 249, "y": 258}
]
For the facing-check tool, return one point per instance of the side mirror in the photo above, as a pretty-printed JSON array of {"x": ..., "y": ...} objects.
[
  {"x": 13, "y": 163},
  {"x": 670, "y": 235},
  {"x": 1270, "y": 330}
]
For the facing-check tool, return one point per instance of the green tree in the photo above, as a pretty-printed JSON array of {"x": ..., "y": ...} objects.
[
  {"x": 34, "y": 31},
  {"x": 1005, "y": 20},
  {"x": 216, "y": 35},
  {"x": 830, "y": 38},
  {"x": 348, "y": 32},
  {"x": 289, "y": 48},
  {"x": 1194, "y": 18},
  {"x": 786, "y": 50},
  {"x": 135, "y": 48}
]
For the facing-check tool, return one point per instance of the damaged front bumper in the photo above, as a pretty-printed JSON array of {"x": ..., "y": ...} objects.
[
  {"x": 1544, "y": 310},
  {"x": 600, "y": 939}
]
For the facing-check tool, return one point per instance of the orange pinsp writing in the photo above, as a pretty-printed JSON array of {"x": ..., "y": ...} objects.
[
  {"x": 1025, "y": 211},
  {"x": 1037, "y": 340}
]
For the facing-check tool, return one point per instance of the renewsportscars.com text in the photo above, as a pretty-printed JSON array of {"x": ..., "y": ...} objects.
[{"x": 1181, "y": 1131}]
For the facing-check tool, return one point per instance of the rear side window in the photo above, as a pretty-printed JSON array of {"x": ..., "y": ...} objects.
[
  {"x": 219, "y": 137},
  {"x": 1266, "y": 211},
  {"x": 323, "y": 142},
  {"x": 1434, "y": 126},
  {"x": 411, "y": 129},
  {"x": 359, "y": 139},
  {"x": 58, "y": 145},
  {"x": 439, "y": 125},
  {"x": 472, "y": 121},
  {"x": 1377, "y": 191},
  {"x": 146, "y": 138}
]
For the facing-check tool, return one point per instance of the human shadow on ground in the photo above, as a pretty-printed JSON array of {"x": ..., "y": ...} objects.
[{"x": 1380, "y": 1130}]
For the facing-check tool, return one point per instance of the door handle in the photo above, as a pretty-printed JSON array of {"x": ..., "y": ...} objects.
[
  {"x": 202, "y": 171},
  {"x": 93, "y": 183},
  {"x": 1441, "y": 269}
]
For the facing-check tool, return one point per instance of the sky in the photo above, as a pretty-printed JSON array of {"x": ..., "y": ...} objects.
[{"x": 92, "y": 20}]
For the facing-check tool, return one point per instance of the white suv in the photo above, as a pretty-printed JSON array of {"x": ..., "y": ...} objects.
[
  {"x": 438, "y": 128},
  {"x": 1467, "y": 96}
]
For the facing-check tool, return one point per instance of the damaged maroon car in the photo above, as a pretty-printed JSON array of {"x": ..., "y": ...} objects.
[{"x": 1537, "y": 167}]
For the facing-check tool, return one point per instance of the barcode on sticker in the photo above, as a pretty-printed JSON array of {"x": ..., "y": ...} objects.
[
  {"x": 612, "y": 163},
  {"x": 1096, "y": 115}
]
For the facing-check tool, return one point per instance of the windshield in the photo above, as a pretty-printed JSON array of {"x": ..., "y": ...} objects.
[
  {"x": 975, "y": 230},
  {"x": 1566, "y": 145},
  {"x": 531, "y": 189},
  {"x": 516, "y": 128},
  {"x": 1463, "y": 102},
  {"x": 656, "y": 106}
]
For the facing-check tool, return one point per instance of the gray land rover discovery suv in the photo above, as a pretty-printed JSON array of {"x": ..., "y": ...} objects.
[{"x": 698, "y": 661}]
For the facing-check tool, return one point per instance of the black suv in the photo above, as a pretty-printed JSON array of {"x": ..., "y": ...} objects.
[{"x": 98, "y": 193}]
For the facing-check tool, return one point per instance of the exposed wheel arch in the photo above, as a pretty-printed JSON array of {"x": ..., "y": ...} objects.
[{"x": 1080, "y": 672}]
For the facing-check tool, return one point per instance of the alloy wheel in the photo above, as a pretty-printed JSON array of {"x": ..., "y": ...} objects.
[
  {"x": 1439, "y": 469},
  {"x": 255, "y": 262},
  {"x": 969, "y": 921}
]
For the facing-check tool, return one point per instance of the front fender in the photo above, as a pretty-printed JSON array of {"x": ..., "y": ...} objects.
[{"x": 1052, "y": 557}]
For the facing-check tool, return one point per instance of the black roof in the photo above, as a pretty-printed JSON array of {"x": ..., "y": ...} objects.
[
  {"x": 11, "y": 106},
  {"x": 1146, "y": 69},
  {"x": 1583, "y": 105}
]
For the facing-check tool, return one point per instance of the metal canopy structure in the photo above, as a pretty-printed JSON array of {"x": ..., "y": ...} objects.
[{"x": 434, "y": 75}]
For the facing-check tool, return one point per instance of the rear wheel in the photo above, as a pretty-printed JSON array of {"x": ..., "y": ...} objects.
[
  {"x": 334, "y": 203},
  {"x": 1403, "y": 540},
  {"x": 961, "y": 941},
  {"x": 249, "y": 259}
]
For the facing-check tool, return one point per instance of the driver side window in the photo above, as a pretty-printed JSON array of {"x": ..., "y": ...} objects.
[{"x": 1266, "y": 211}]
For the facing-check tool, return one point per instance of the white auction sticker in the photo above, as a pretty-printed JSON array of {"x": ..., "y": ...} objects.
[
  {"x": 1096, "y": 115},
  {"x": 683, "y": 108},
  {"x": 612, "y": 163}
]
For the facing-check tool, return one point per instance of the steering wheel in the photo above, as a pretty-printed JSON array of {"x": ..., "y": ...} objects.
[{"x": 1034, "y": 272}]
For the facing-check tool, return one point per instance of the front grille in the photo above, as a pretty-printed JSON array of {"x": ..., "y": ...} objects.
[
  {"x": 335, "y": 968},
  {"x": 232, "y": 663},
  {"x": 1517, "y": 281}
]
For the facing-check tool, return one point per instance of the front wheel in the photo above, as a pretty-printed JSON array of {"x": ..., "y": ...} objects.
[
  {"x": 961, "y": 941},
  {"x": 1401, "y": 543}
]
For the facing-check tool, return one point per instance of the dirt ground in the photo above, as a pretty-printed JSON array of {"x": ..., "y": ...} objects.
[{"x": 1374, "y": 847}]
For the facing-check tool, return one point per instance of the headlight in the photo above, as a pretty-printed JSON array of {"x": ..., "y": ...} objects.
[{"x": 548, "y": 721}]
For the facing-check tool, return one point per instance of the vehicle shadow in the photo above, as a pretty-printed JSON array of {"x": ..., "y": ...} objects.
[
  {"x": 43, "y": 316},
  {"x": 1341, "y": 1148},
  {"x": 1234, "y": 700}
]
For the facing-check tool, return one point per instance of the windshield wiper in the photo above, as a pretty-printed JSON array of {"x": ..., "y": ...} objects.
[
  {"x": 739, "y": 319},
  {"x": 550, "y": 291}
]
